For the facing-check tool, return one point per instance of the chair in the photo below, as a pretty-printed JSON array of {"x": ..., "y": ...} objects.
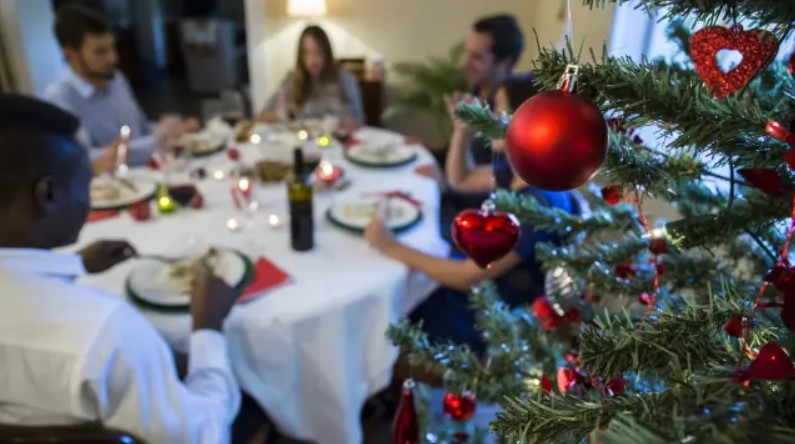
[
  {"x": 372, "y": 90},
  {"x": 90, "y": 433}
]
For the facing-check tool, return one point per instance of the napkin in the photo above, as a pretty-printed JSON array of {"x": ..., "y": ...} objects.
[
  {"x": 267, "y": 275},
  {"x": 350, "y": 143},
  {"x": 98, "y": 215},
  {"x": 396, "y": 194}
]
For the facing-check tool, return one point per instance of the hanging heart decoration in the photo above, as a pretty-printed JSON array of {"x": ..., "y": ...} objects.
[
  {"x": 485, "y": 235},
  {"x": 757, "y": 47}
]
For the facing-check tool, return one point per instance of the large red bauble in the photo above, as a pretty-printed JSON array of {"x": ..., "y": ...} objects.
[
  {"x": 557, "y": 141},
  {"x": 459, "y": 407},
  {"x": 772, "y": 363},
  {"x": 485, "y": 236}
]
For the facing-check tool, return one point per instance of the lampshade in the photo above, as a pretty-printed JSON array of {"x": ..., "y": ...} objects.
[{"x": 306, "y": 8}]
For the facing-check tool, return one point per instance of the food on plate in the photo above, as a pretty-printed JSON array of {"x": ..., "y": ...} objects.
[
  {"x": 366, "y": 210},
  {"x": 243, "y": 131},
  {"x": 109, "y": 189},
  {"x": 182, "y": 270},
  {"x": 273, "y": 171}
]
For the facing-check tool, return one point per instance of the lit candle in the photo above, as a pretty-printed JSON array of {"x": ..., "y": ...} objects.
[
  {"x": 233, "y": 225},
  {"x": 219, "y": 175},
  {"x": 244, "y": 184},
  {"x": 303, "y": 135},
  {"x": 323, "y": 141},
  {"x": 328, "y": 173},
  {"x": 274, "y": 221},
  {"x": 255, "y": 138}
]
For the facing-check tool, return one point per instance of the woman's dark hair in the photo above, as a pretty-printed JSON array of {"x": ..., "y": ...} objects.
[
  {"x": 74, "y": 22},
  {"x": 302, "y": 83},
  {"x": 519, "y": 89},
  {"x": 507, "y": 36}
]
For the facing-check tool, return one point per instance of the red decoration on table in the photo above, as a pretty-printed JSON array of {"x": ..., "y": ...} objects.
[
  {"x": 645, "y": 299},
  {"x": 267, "y": 275},
  {"x": 98, "y": 215},
  {"x": 777, "y": 130},
  {"x": 459, "y": 408},
  {"x": 658, "y": 246},
  {"x": 485, "y": 235},
  {"x": 758, "y": 48},
  {"x": 765, "y": 179},
  {"x": 350, "y": 143},
  {"x": 153, "y": 164},
  {"x": 772, "y": 363},
  {"x": 615, "y": 386},
  {"x": 140, "y": 211},
  {"x": 197, "y": 202},
  {"x": 546, "y": 384},
  {"x": 567, "y": 377},
  {"x": 556, "y": 140},
  {"x": 612, "y": 194},
  {"x": 405, "y": 424},
  {"x": 395, "y": 194},
  {"x": 734, "y": 327},
  {"x": 626, "y": 270},
  {"x": 233, "y": 154}
]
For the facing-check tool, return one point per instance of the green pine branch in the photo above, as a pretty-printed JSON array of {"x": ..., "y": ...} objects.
[{"x": 479, "y": 119}]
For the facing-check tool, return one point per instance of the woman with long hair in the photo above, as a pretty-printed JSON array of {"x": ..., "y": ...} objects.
[{"x": 317, "y": 86}]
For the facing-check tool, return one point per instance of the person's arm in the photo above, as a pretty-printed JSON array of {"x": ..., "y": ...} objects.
[
  {"x": 353, "y": 94},
  {"x": 460, "y": 174},
  {"x": 130, "y": 383},
  {"x": 277, "y": 105},
  {"x": 460, "y": 275}
]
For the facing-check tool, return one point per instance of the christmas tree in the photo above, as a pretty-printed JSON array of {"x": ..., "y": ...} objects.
[{"x": 695, "y": 344}]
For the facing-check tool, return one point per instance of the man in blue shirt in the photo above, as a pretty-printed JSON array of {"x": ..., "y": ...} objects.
[{"x": 92, "y": 89}]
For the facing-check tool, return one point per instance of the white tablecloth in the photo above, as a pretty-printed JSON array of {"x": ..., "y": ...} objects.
[{"x": 312, "y": 351}]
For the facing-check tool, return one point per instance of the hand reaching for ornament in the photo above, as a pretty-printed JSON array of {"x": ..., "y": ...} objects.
[
  {"x": 452, "y": 100},
  {"x": 378, "y": 235}
]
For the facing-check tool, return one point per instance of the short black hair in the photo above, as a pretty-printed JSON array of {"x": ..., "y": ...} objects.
[
  {"x": 519, "y": 88},
  {"x": 506, "y": 34},
  {"x": 36, "y": 139},
  {"x": 74, "y": 22}
]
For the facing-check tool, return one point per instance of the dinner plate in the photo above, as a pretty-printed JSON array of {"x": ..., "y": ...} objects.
[
  {"x": 380, "y": 156},
  {"x": 355, "y": 215},
  {"x": 203, "y": 144},
  {"x": 110, "y": 193},
  {"x": 152, "y": 284}
]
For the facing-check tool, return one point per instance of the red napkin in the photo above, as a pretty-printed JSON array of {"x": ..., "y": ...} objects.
[
  {"x": 95, "y": 216},
  {"x": 397, "y": 194},
  {"x": 350, "y": 143},
  {"x": 266, "y": 276}
]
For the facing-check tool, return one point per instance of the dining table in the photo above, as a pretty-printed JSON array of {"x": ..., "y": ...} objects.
[{"x": 312, "y": 350}]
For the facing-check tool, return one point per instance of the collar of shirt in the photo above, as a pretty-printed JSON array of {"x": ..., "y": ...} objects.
[
  {"x": 42, "y": 262},
  {"x": 81, "y": 85}
]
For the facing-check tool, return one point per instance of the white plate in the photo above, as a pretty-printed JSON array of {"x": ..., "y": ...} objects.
[
  {"x": 151, "y": 281},
  {"x": 111, "y": 193},
  {"x": 381, "y": 155},
  {"x": 202, "y": 142},
  {"x": 356, "y": 215}
]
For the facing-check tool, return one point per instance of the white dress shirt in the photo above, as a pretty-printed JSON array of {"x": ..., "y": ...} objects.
[
  {"x": 70, "y": 353},
  {"x": 102, "y": 113}
]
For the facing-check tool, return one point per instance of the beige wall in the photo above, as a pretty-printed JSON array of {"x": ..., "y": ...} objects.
[{"x": 403, "y": 30}]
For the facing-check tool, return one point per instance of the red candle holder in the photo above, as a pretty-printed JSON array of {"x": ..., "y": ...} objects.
[{"x": 328, "y": 174}]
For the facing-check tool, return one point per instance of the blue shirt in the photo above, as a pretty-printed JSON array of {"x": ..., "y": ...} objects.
[{"x": 102, "y": 113}]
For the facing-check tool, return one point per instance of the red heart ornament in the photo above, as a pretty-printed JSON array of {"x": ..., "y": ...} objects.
[
  {"x": 485, "y": 235},
  {"x": 772, "y": 363},
  {"x": 758, "y": 48},
  {"x": 459, "y": 408}
]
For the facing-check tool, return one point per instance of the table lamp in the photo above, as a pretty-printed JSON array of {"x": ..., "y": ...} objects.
[{"x": 306, "y": 8}]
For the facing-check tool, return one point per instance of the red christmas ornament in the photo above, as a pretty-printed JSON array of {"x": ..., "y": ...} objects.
[
  {"x": 233, "y": 154},
  {"x": 459, "y": 408},
  {"x": 658, "y": 246},
  {"x": 542, "y": 309},
  {"x": 546, "y": 384},
  {"x": 789, "y": 158},
  {"x": 140, "y": 211},
  {"x": 615, "y": 386},
  {"x": 778, "y": 131},
  {"x": 765, "y": 179},
  {"x": 567, "y": 377},
  {"x": 612, "y": 194},
  {"x": 485, "y": 235},
  {"x": 661, "y": 269},
  {"x": 556, "y": 140},
  {"x": 626, "y": 270},
  {"x": 644, "y": 298},
  {"x": 405, "y": 425},
  {"x": 572, "y": 316},
  {"x": 758, "y": 49},
  {"x": 734, "y": 327},
  {"x": 772, "y": 363},
  {"x": 788, "y": 313}
]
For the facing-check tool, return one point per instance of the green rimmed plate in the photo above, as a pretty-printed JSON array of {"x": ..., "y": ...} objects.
[
  {"x": 354, "y": 216},
  {"x": 149, "y": 284},
  {"x": 109, "y": 193},
  {"x": 370, "y": 156}
]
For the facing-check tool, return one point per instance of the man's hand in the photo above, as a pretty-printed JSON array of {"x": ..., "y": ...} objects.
[
  {"x": 106, "y": 161},
  {"x": 379, "y": 236},
  {"x": 452, "y": 100},
  {"x": 191, "y": 125},
  {"x": 104, "y": 255},
  {"x": 211, "y": 299}
]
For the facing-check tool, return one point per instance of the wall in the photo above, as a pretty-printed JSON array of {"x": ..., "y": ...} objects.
[
  {"x": 403, "y": 30},
  {"x": 34, "y": 53}
]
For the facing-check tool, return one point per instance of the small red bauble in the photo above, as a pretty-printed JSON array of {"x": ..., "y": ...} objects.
[
  {"x": 734, "y": 327},
  {"x": 778, "y": 131},
  {"x": 645, "y": 299},
  {"x": 233, "y": 153},
  {"x": 615, "y": 386},
  {"x": 573, "y": 316},
  {"x": 140, "y": 211},
  {"x": 661, "y": 269},
  {"x": 626, "y": 270},
  {"x": 758, "y": 49},
  {"x": 546, "y": 384},
  {"x": 556, "y": 141},
  {"x": 459, "y": 408},
  {"x": 485, "y": 235},
  {"x": 772, "y": 363},
  {"x": 658, "y": 246},
  {"x": 612, "y": 194},
  {"x": 542, "y": 309},
  {"x": 765, "y": 179},
  {"x": 567, "y": 377}
]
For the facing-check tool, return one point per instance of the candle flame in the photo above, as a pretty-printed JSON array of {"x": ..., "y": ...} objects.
[{"x": 244, "y": 184}]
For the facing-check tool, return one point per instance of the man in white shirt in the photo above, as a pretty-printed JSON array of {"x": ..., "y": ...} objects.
[{"x": 71, "y": 353}]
